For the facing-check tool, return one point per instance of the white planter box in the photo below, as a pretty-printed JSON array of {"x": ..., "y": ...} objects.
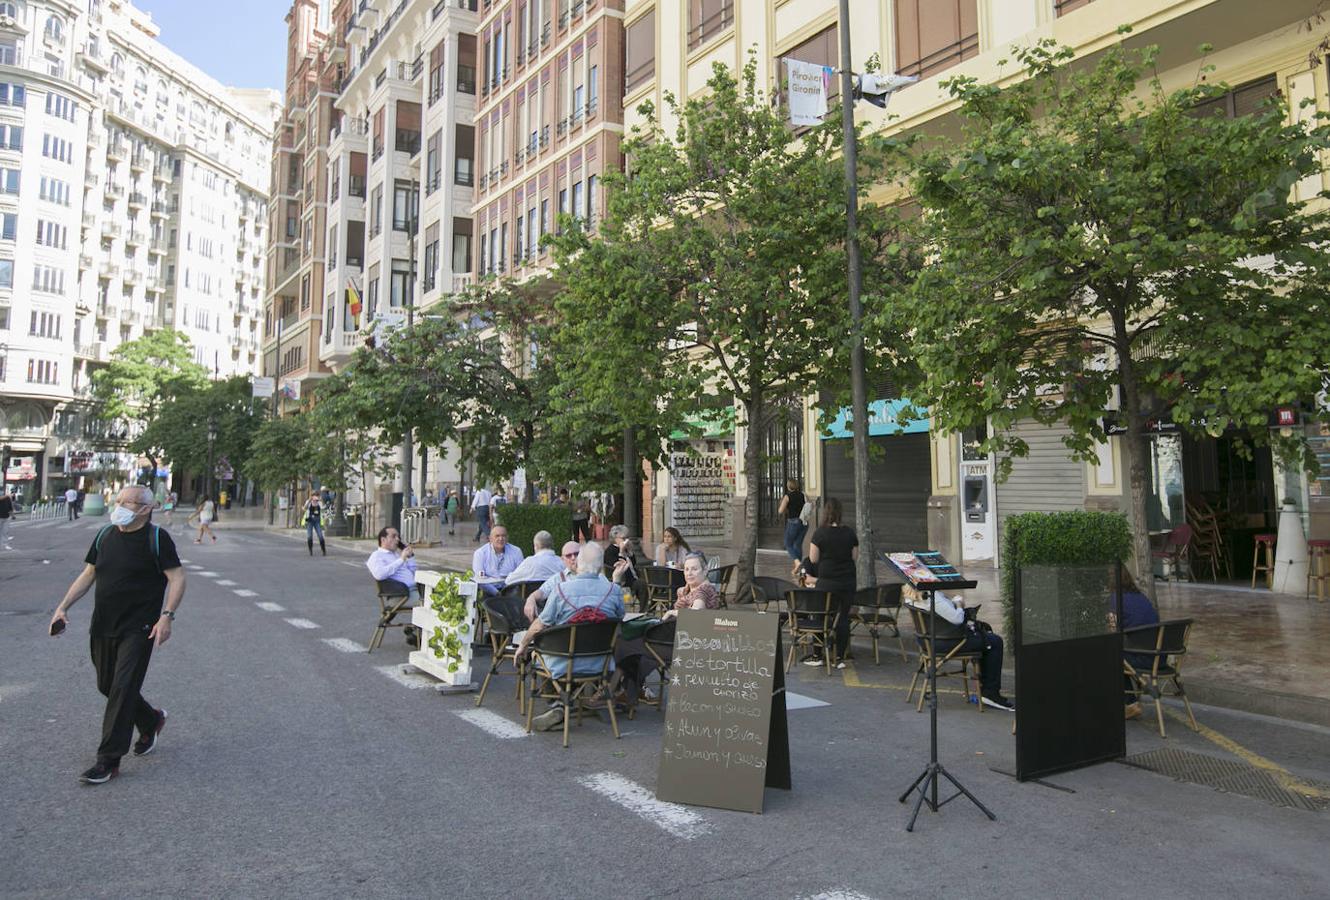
[{"x": 423, "y": 617}]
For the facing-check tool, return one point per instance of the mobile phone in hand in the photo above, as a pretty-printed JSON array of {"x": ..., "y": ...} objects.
[{"x": 57, "y": 627}]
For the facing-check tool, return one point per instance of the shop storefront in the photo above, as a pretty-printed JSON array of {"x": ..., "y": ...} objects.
[{"x": 900, "y": 464}]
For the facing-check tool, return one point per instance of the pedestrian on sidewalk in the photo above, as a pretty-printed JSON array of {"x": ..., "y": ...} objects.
[
  {"x": 582, "y": 520},
  {"x": 72, "y": 503},
  {"x": 6, "y": 516},
  {"x": 204, "y": 513},
  {"x": 480, "y": 505},
  {"x": 168, "y": 507},
  {"x": 135, "y": 568},
  {"x": 832, "y": 552},
  {"x": 313, "y": 522},
  {"x": 796, "y": 522},
  {"x": 452, "y": 506}
]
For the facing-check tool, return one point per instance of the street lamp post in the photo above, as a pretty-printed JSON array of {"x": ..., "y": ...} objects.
[
  {"x": 212, "y": 439},
  {"x": 412, "y": 226},
  {"x": 863, "y": 518}
]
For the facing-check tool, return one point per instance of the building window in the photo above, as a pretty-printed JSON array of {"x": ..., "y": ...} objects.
[
  {"x": 376, "y": 211},
  {"x": 11, "y": 137},
  {"x": 821, "y": 49},
  {"x": 1062, "y": 7},
  {"x": 401, "y": 288},
  {"x": 44, "y": 325},
  {"x": 431, "y": 274},
  {"x": 577, "y": 199},
  {"x": 60, "y": 106},
  {"x": 592, "y": 183},
  {"x": 706, "y": 19},
  {"x": 433, "y": 163},
  {"x": 8, "y": 10},
  {"x": 1243, "y": 100},
  {"x": 13, "y": 94},
  {"x": 43, "y": 371},
  {"x": 461, "y": 252},
  {"x": 640, "y": 52},
  {"x": 437, "y": 76},
  {"x": 7, "y": 274},
  {"x": 55, "y": 29},
  {"x": 406, "y": 202},
  {"x": 8, "y": 226},
  {"x": 8, "y": 181},
  {"x": 933, "y": 35},
  {"x": 372, "y": 291}
]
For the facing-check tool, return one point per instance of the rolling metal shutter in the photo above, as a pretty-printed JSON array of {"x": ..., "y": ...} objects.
[
  {"x": 1046, "y": 480},
  {"x": 902, "y": 479}
]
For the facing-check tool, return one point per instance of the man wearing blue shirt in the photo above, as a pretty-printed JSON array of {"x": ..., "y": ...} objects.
[
  {"x": 588, "y": 588},
  {"x": 495, "y": 561},
  {"x": 541, "y": 565}
]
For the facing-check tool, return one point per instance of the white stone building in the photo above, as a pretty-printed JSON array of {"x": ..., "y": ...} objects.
[{"x": 133, "y": 196}]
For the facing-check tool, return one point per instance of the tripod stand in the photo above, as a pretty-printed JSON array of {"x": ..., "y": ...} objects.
[{"x": 927, "y": 782}]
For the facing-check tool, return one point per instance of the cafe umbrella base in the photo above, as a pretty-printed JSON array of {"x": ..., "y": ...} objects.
[{"x": 928, "y": 782}]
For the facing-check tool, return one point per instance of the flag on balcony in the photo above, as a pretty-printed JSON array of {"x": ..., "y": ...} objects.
[
  {"x": 808, "y": 86},
  {"x": 353, "y": 300}
]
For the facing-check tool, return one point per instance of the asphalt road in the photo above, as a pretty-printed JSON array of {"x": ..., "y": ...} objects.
[{"x": 294, "y": 764}]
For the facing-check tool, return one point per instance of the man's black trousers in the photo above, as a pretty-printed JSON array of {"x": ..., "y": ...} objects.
[{"x": 121, "y": 665}]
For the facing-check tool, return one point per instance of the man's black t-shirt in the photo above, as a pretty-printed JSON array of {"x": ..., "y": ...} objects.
[
  {"x": 6, "y": 506},
  {"x": 835, "y": 547},
  {"x": 130, "y": 589}
]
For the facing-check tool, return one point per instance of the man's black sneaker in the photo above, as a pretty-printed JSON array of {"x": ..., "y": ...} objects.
[
  {"x": 99, "y": 774},
  {"x": 148, "y": 742},
  {"x": 997, "y": 701}
]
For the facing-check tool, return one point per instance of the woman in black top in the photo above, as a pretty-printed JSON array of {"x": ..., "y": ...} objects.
[
  {"x": 833, "y": 550},
  {"x": 313, "y": 523},
  {"x": 792, "y": 507}
]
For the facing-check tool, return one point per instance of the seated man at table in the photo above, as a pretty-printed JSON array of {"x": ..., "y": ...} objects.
[
  {"x": 540, "y": 565},
  {"x": 535, "y": 601},
  {"x": 393, "y": 565},
  {"x": 978, "y": 636},
  {"x": 588, "y": 590},
  {"x": 495, "y": 561},
  {"x": 1137, "y": 610}
]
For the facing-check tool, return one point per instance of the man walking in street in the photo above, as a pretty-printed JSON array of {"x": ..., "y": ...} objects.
[
  {"x": 134, "y": 566},
  {"x": 6, "y": 516},
  {"x": 72, "y": 503},
  {"x": 480, "y": 505}
]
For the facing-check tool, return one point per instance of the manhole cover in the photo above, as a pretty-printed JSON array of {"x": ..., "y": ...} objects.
[{"x": 1229, "y": 775}]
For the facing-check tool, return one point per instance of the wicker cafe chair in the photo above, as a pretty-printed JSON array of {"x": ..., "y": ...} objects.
[
  {"x": 967, "y": 658},
  {"x": 810, "y": 618},
  {"x": 572, "y": 643},
  {"x": 394, "y": 600},
  {"x": 1176, "y": 551},
  {"x": 663, "y": 584},
  {"x": 876, "y": 609},
  {"x": 1159, "y": 642},
  {"x": 503, "y": 619},
  {"x": 659, "y": 643},
  {"x": 773, "y": 589},
  {"x": 721, "y": 576}
]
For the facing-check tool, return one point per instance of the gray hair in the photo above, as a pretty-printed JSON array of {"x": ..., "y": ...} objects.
[
  {"x": 591, "y": 560},
  {"x": 542, "y": 540},
  {"x": 145, "y": 493},
  {"x": 699, "y": 556},
  {"x": 618, "y": 532}
]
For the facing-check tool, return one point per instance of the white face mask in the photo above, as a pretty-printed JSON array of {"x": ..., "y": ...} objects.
[{"x": 121, "y": 516}]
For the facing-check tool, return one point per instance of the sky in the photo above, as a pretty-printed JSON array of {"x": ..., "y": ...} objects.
[{"x": 241, "y": 43}]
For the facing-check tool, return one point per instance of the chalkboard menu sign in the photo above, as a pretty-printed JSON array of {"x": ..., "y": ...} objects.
[{"x": 726, "y": 737}]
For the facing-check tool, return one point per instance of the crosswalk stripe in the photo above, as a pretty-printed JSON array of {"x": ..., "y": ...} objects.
[
  {"x": 346, "y": 645},
  {"x": 492, "y": 724},
  {"x": 679, "y": 821},
  {"x": 270, "y": 607},
  {"x": 302, "y": 623}
]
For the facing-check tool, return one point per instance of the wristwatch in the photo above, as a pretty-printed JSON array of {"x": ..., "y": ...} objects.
[{"x": 169, "y": 614}]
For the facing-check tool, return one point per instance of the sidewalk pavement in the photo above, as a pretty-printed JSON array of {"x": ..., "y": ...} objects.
[{"x": 1251, "y": 650}]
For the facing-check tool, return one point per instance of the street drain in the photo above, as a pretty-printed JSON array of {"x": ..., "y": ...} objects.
[{"x": 1228, "y": 775}]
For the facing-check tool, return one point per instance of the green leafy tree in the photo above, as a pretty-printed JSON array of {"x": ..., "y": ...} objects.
[
  {"x": 728, "y": 232},
  {"x": 180, "y": 429},
  {"x": 142, "y": 377},
  {"x": 1100, "y": 241}
]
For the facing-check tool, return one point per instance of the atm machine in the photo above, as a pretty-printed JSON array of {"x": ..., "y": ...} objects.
[{"x": 978, "y": 519}]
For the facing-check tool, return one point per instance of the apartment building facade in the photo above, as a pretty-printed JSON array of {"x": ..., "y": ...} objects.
[
  {"x": 935, "y": 488},
  {"x": 134, "y": 194}
]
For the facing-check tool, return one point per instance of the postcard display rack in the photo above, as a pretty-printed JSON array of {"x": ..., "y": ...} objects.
[
  {"x": 701, "y": 490},
  {"x": 927, "y": 572}
]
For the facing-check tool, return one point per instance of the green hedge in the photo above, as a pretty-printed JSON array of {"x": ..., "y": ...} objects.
[
  {"x": 1067, "y": 539},
  {"x": 523, "y": 520}
]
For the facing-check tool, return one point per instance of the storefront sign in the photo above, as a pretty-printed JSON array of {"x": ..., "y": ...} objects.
[
  {"x": 263, "y": 387},
  {"x": 1115, "y": 426},
  {"x": 897, "y": 416},
  {"x": 726, "y": 736},
  {"x": 702, "y": 486}
]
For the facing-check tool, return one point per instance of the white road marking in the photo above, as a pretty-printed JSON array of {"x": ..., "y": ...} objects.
[
  {"x": 269, "y": 607},
  {"x": 209, "y": 574},
  {"x": 196, "y": 567},
  {"x": 346, "y": 645},
  {"x": 406, "y": 680},
  {"x": 493, "y": 724},
  {"x": 183, "y": 560},
  {"x": 679, "y": 821},
  {"x": 354, "y": 565},
  {"x": 10, "y": 691},
  {"x": 302, "y": 623},
  {"x": 241, "y": 592},
  {"x": 799, "y": 701},
  {"x": 226, "y": 583},
  {"x": 836, "y": 894}
]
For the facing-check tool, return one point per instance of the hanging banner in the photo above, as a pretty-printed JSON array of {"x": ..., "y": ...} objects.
[
  {"x": 263, "y": 387},
  {"x": 808, "y": 85},
  {"x": 291, "y": 390}
]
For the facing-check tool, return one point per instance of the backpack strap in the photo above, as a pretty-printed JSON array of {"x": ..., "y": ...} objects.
[
  {"x": 157, "y": 547},
  {"x": 97, "y": 542}
]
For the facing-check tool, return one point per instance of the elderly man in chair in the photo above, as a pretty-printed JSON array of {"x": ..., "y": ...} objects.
[{"x": 495, "y": 561}]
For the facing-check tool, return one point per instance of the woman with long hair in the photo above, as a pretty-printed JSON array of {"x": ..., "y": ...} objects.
[
  {"x": 313, "y": 519},
  {"x": 834, "y": 549},
  {"x": 672, "y": 549},
  {"x": 792, "y": 508},
  {"x": 204, "y": 512}
]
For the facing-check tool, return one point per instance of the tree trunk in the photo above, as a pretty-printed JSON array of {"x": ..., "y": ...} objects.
[
  {"x": 632, "y": 484},
  {"x": 755, "y": 410},
  {"x": 1138, "y": 469}
]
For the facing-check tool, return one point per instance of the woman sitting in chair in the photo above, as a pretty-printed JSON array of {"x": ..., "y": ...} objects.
[
  {"x": 697, "y": 592},
  {"x": 673, "y": 549}
]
